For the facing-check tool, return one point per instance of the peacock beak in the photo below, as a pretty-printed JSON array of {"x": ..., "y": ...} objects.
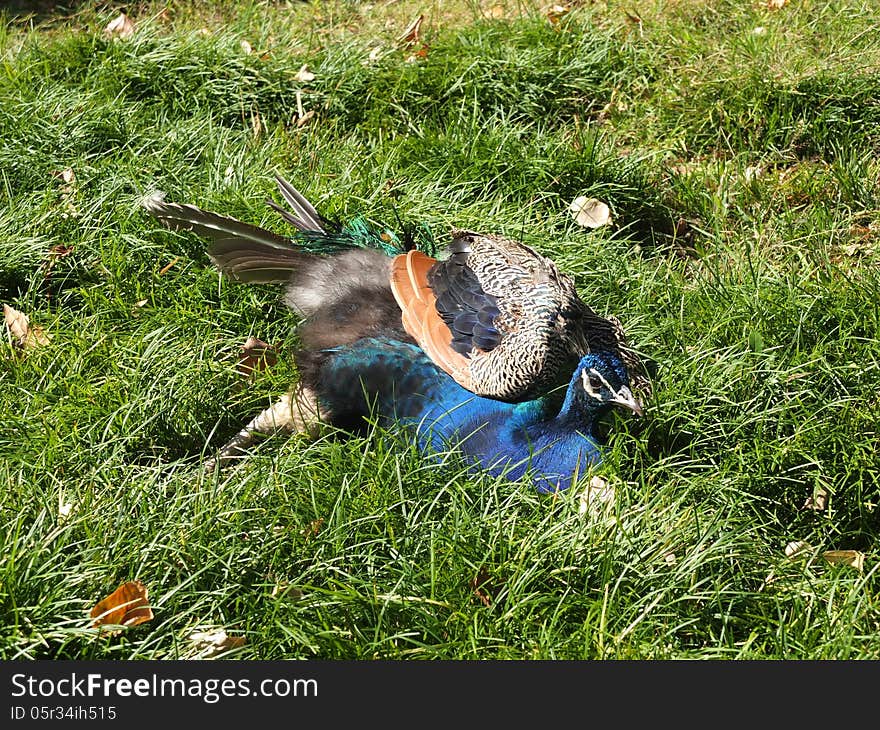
[{"x": 625, "y": 398}]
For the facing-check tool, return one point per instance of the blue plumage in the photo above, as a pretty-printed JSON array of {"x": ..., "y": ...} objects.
[
  {"x": 462, "y": 351},
  {"x": 397, "y": 383}
]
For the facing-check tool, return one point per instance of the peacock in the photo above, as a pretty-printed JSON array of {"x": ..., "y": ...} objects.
[
  {"x": 363, "y": 349},
  {"x": 501, "y": 319}
]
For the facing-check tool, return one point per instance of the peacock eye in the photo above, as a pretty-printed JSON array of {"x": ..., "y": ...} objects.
[{"x": 595, "y": 382}]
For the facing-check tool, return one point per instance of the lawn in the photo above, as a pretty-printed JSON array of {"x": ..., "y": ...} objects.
[{"x": 736, "y": 146}]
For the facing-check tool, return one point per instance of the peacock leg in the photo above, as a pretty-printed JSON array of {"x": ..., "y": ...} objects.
[{"x": 294, "y": 413}]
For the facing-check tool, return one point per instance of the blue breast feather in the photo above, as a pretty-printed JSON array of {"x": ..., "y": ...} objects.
[{"x": 396, "y": 383}]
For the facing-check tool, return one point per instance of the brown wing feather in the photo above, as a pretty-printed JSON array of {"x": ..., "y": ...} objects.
[{"x": 409, "y": 283}]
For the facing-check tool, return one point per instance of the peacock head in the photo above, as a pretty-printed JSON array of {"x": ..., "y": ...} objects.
[{"x": 601, "y": 383}]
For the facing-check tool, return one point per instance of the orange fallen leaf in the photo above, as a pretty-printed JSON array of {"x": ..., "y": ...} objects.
[
  {"x": 164, "y": 270},
  {"x": 126, "y": 606},
  {"x": 256, "y": 355},
  {"x": 121, "y": 27},
  {"x": 25, "y": 336},
  {"x": 410, "y": 36}
]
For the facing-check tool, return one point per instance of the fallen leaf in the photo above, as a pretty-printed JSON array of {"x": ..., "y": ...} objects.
[
  {"x": 853, "y": 558},
  {"x": 555, "y": 13},
  {"x": 305, "y": 118},
  {"x": 126, "y": 606},
  {"x": 817, "y": 501},
  {"x": 484, "y": 586},
  {"x": 410, "y": 36},
  {"x": 596, "y": 493},
  {"x": 211, "y": 643},
  {"x": 590, "y": 212},
  {"x": 246, "y": 47},
  {"x": 284, "y": 590},
  {"x": 25, "y": 336},
  {"x": 60, "y": 250},
  {"x": 65, "y": 508},
  {"x": 496, "y": 11},
  {"x": 797, "y": 547},
  {"x": 416, "y": 55},
  {"x": 304, "y": 75},
  {"x": 164, "y": 269},
  {"x": 68, "y": 190},
  {"x": 776, "y": 4},
  {"x": 254, "y": 355},
  {"x": 121, "y": 27},
  {"x": 312, "y": 528}
]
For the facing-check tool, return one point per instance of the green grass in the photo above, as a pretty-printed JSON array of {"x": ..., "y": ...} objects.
[{"x": 737, "y": 147}]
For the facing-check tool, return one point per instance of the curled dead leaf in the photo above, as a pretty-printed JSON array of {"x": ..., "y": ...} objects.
[
  {"x": 164, "y": 270},
  {"x": 485, "y": 586},
  {"x": 852, "y": 558},
  {"x": 410, "y": 36},
  {"x": 211, "y": 643},
  {"x": 590, "y": 212},
  {"x": 120, "y": 27},
  {"x": 304, "y": 75},
  {"x": 555, "y": 13},
  {"x": 797, "y": 548},
  {"x": 256, "y": 355},
  {"x": 23, "y": 335},
  {"x": 596, "y": 494},
  {"x": 817, "y": 501},
  {"x": 126, "y": 606}
]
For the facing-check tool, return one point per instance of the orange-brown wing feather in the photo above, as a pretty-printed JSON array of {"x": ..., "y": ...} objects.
[{"x": 409, "y": 283}]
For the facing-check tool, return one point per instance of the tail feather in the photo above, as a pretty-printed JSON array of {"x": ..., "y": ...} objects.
[
  {"x": 306, "y": 218},
  {"x": 246, "y": 252}
]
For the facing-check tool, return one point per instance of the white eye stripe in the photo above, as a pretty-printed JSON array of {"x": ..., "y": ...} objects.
[{"x": 585, "y": 378}]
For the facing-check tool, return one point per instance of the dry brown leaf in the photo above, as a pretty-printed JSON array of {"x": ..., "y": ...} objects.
[
  {"x": 211, "y": 643},
  {"x": 410, "y": 36},
  {"x": 853, "y": 558},
  {"x": 164, "y": 269},
  {"x": 24, "y": 336},
  {"x": 496, "y": 12},
  {"x": 121, "y": 27},
  {"x": 305, "y": 118},
  {"x": 312, "y": 528},
  {"x": 817, "y": 501},
  {"x": 776, "y": 4},
  {"x": 555, "y": 13},
  {"x": 484, "y": 586},
  {"x": 304, "y": 75},
  {"x": 590, "y": 212},
  {"x": 126, "y": 606},
  {"x": 256, "y": 355}
]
